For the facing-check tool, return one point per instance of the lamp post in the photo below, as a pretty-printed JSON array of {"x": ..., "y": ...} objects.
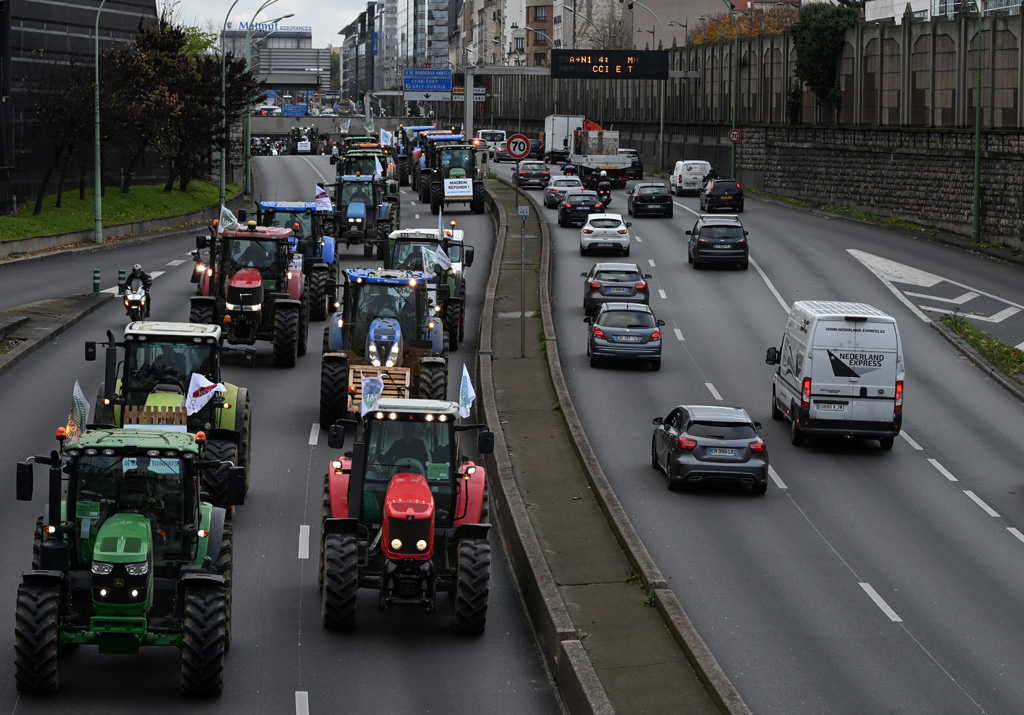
[
  {"x": 736, "y": 79},
  {"x": 661, "y": 88},
  {"x": 644, "y": 29},
  {"x": 247, "y": 187},
  {"x": 686, "y": 30},
  {"x": 604, "y": 42},
  {"x": 976, "y": 228},
  {"x": 224, "y": 104},
  {"x": 98, "y": 175}
]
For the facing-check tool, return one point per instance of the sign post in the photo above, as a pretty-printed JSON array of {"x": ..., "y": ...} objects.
[{"x": 524, "y": 213}]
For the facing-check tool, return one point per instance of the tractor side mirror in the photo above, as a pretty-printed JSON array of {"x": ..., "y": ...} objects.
[
  {"x": 469, "y": 256},
  {"x": 336, "y": 436},
  {"x": 444, "y": 292},
  {"x": 772, "y": 356},
  {"x": 242, "y": 215},
  {"x": 202, "y": 241},
  {"x": 90, "y": 351},
  {"x": 24, "y": 481},
  {"x": 485, "y": 442},
  {"x": 236, "y": 485}
]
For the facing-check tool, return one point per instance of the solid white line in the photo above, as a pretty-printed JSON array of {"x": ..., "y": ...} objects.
[
  {"x": 1020, "y": 347},
  {"x": 314, "y": 434},
  {"x": 895, "y": 291},
  {"x": 881, "y": 603},
  {"x": 943, "y": 470},
  {"x": 714, "y": 392},
  {"x": 776, "y": 478},
  {"x": 661, "y": 293},
  {"x": 784, "y": 304},
  {"x": 156, "y": 274},
  {"x": 304, "y": 541},
  {"x": 301, "y": 702},
  {"x": 651, "y": 261},
  {"x": 911, "y": 442},
  {"x": 977, "y": 500},
  {"x": 177, "y": 262},
  {"x": 969, "y": 295},
  {"x": 679, "y": 334},
  {"x": 1015, "y": 533}
]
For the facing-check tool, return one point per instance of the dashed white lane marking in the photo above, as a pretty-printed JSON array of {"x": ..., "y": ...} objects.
[
  {"x": 714, "y": 392},
  {"x": 651, "y": 261},
  {"x": 911, "y": 442},
  {"x": 417, "y": 216},
  {"x": 176, "y": 263},
  {"x": 314, "y": 434},
  {"x": 943, "y": 470},
  {"x": 977, "y": 500},
  {"x": 638, "y": 239},
  {"x": 156, "y": 274},
  {"x": 784, "y": 304},
  {"x": 301, "y": 702},
  {"x": 880, "y": 602},
  {"x": 776, "y": 478},
  {"x": 662, "y": 295},
  {"x": 679, "y": 334},
  {"x": 304, "y": 541},
  {"x": 1015, "y": 533}
]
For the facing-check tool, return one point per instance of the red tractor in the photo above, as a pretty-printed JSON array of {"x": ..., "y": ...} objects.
[
  {"x": 404, "y": 513},
  {"x": 254, "y": 288}
]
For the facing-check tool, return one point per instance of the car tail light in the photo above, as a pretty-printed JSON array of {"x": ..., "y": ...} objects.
[
  {"x": 623, "y": 231},
  {"x": 757, "y": 447},
  {"x": 805, "y": 393},
  {"x": 545, "y": 173},
  {"x": 588, "y": 231},
  {"x": 640, "y": 286},
  {"x": 686, "y": 444},
  {"x": 899, "y": 395},
  {"x": 597, "y": 205},
  {"x": 741, "y": 242},
  {"x": 703, "y": 242},
  {"x": 598, "y": 333},
  {"x": 738, "y": 187},
  {"x": 595, "y": 284},
  {"x": 656, "y": 335},
  {"x": 554, "y": 190},
  {"x": 522, "y": 173}
]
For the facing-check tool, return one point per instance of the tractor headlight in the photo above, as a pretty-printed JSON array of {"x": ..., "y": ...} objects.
[
  {"x": 421, "y": 545},
  {"x": 373, "y": 355},
  {"x": 392, "y": 356},
  {"x": 437, "y": 308},
  {"x": 137, "y": 569},
  {"x": 101, "y": 569},
  {"x": 396, "y": 544},
  {"x": 200, "y": 268},
  {"x": 431, "y": 324}
]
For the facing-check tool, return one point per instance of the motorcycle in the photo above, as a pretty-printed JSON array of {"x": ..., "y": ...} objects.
[
  {"x": 605, "y": 197},
  {"x": 135, "y": 299}
]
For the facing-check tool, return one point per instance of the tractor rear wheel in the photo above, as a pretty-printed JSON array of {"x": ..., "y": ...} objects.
[
  {"x": 303, "y": 323},
  {"x": 325, "y": 514},
  {"x": 478, "y": 197},
  {"x": 286, "y": 337},
  {"x": 436, "y": 197},
  {"x": 204, "y": 641},
  {"x": 453, "y": 323},
  {"x": 223, "y": 567},
  {"x": 333, "y": 391},
  {"x": 472, "y": 587},
  {"x": 384, "y": 229},
  {"x": 37, "y": 638},
  {"x": 433, "y": 382},
  {"x": 403, "y": 175},
  {"x": 200, "y": 314},
  {"x": 318, "y": 298},
  {"x": 341, "y": 581},
  {"x": 245, "y": 439},
  {"x": 215, "y": 479},
  {"x": 37, "y": 543}
]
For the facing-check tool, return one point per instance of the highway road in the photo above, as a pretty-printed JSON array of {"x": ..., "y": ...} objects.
[
  {"x": 281, "y": 659},
  {"x": 865, "y": 581}
]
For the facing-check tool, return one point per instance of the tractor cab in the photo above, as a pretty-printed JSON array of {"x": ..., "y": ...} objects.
[{"x": 456, "y": 162}]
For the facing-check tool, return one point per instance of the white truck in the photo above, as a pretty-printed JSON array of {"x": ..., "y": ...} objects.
[
  {"x": 594, "y": 151},
  {"x": 558, "y": 134}
]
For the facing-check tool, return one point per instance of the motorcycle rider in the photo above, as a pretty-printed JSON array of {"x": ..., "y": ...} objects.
[
  {"x": 602, "y": 185},
  {"x": 569, "y": 169},
  {"x": 147, "y": 283}
]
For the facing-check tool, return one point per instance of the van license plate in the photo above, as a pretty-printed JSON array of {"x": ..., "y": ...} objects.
[
  {"x": 830, "y": 406},
  {"x": 721, "y": 452}
]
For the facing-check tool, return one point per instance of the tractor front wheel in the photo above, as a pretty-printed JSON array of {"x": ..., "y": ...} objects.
[
  {"x": 37, "y": 638},
  {"x": 318, "y": 299},
  {"x": 200, "y": 314},
  {"x": 204, "y": 641},
  {"x": 215, "y": 479},
  {"x": 286, "y": 337},
  {"x": 303, "y": 324},
  {"x": 341, "y": 581},
  {"x": 472, "y": 587},
  {"x": 433, "y": 382},
  {"x": 223, "y": 567},
  {"x": 333, "y": 391},
  {"x": 453, "y": 323},
  {"x": 436, "y": 198},
  {"x": 478, "y": 197}
]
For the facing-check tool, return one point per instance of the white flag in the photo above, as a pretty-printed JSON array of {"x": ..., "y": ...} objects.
[
  {"x": 200, "y": 391},
  {"x": 378, "y": 170},
  {"x": 466, "y": 393},
  {"x": 373, "y": 388},
  {"x": 386, "y": 137},
  {"x": 369, "y": 126},
  {"x": 441, "y": 259},
  {"x": 346, "y": 126},
  {"x": 323, "y": 201},
  {"x": 78, "y": 416},
  {"x": 227, "y": 220}
]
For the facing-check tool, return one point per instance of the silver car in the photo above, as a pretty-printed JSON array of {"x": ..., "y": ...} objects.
[{"x": 558, "y": 188}]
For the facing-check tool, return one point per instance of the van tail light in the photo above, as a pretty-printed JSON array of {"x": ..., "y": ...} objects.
[
  {"x": 598, "y": 333},
  {"x": 805, "y": 394},
  {"x": 757, "y": 447},
  {"x": 656, "y": 336},
  {"x": 588, "y": 231},
  {"x": 686, "y": 444},
  {"x": 595, "y": 284},
  {"x": 641, "y": 286},
  {"x": 899, "y": 395}
]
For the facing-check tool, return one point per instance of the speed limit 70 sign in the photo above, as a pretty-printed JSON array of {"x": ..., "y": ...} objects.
[
  {"x": 517, "y": 146},
  {"x": 735, "y": 136}
]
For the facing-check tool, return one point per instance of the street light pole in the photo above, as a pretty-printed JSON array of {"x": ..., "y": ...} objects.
[
  {"x": 98, "y": 174},
  {"x": 976, "y": 229},
  {"x": 736, "y": 78},
  {"x": 604, "y": 42},
  {"x": 224, "y": 105},
  {"x": 246, "y": 131},
  {"x": 661, "y": 88}
]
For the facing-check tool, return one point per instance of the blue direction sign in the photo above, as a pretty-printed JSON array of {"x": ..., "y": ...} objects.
[{"x": 424, "y": 80}]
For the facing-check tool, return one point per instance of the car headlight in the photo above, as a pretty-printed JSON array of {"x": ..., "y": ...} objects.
[
  {"x": 137, "y": 569},
  {"x": 101, "y": 569}
]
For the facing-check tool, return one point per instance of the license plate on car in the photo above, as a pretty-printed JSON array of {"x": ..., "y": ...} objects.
[
  {"x": 627, "y": 338},
  {"x": 721, "y": 245},
  {"x": 727, "y": 196},
  {"x": 830, "y": 406},
  {"x": 618, "y": 291},
  {"x": 721, "y": 452}
]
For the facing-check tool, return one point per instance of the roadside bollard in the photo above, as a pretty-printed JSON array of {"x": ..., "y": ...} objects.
[
  {"x": 95, "y": 280},
  {"x": 121, "y": 274}
]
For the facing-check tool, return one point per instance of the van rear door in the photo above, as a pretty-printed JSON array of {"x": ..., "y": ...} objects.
[
  {"x": 833, "y": 383},
  {"x": 877, "y": 362}
]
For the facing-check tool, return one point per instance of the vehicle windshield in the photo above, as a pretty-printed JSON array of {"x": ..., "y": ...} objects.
[
  {"x": 618, "y": 276},
  {"x": 458, "y": 159},
  {"x": 626, "y": 319},
  {"x": 721, "y": 232},
  {"x": 287, "y": 219},
  {"x": 581, "y": 197},
  {"x": 408, "y": 446},
  {"x": 409, "y": 256},
  {"x": 492, "y": 136},
  {"x": 566, "y": 182},
  {"x": 722, "y": 430},
  {"x": 356, "y": 192},
  {"x": 605, "y": 222},
  {"x": 250, "y": 253},
  {"x": 154, "y": 362},
  {"x": 149, "y": 485},
  {"x": 378, "y": 300},
  {"x": 362, "y": 165},
  {"x": 724, "y": 187},
  {"x": 650, "y": 190}
]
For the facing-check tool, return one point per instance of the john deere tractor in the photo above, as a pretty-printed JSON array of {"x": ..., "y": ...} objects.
[
  {"x": 418, "y": 249},
  {"x": 313, "y": 231},
  {"x": 386, "y": 327},
  {"x": 126, "y": 555},
  {"x": 254, "y": 288},
  {"x": 404, "y": 513},
  {"x": 451, "y": 174},
  {"x": 156, "y": 368},
  {"x": 364, "y": 214}
]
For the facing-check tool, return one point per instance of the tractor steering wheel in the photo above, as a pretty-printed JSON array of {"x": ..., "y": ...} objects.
[{"x": 170, "y": 380}]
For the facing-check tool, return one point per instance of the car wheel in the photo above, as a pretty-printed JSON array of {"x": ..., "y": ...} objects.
[
  {"x": 696, "y": 264},
  {"x": 740, "y": 209},
  {"x": 759, "y": 489},
  {"x": 796, "y": 435},
  {"x": 744, "y": 266},
  {"x": 625, "y": 251},
  {"x": 561, "y": 223},
  {"x": 886, "y": 442},
  {"x": 689, "y": 257},
  {"x": 654, "y": 456},
  {"x": 656, "y": 365},
  {"x": 669, "y": 214},
  {"x": 583, "y": 251},
  {"x": 593, "y": 361}
]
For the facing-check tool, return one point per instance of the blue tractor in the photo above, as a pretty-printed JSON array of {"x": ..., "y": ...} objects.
[
  {"x": 386, "y": 327},
  {"x": 407, "y": 138},
  {"x": 363, "y": 214}
]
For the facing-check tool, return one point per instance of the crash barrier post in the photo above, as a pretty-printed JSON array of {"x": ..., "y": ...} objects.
[
  {"x": 95, "y": 280},
  {"x": 121, "y": 275}
]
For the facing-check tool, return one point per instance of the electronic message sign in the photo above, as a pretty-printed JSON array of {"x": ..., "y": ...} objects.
[{"x": 609, "y": 64}]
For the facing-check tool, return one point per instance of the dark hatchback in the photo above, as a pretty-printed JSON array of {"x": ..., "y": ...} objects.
[
  {"x": 717, "y": 240},
  {"x": 635, "y": 171},
  {"x": 614, "y": 283},
  {"x": 577, "y": 206},
  {"x": 649, "y": 200},
  {"x": 624, "y": 331},
  {"x": 722, "y": 193},
  {"x": 532, "y": 173}
]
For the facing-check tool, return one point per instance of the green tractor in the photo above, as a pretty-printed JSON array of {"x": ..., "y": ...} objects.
[
  {"x": 305, "y": 140},
  {"x": 126, "y": 555},
  {"x": 156, "y": 372},
  {"x": 417, "y": 249},
  {"x": 451, "y": 173}
]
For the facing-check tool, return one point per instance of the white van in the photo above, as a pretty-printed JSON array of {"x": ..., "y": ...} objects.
[
  {"x": 688, "y": 177},
  {"x": 492, "y": 137},
  {"x": 840, "y": 372}
]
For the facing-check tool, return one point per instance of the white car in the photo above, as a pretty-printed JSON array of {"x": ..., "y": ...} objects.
[
  {"x": 607, "y": 232},
  {"x": 688, "y": 177}
]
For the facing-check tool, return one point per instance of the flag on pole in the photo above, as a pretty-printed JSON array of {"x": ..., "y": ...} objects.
[
  {"x": 227, "y": 220},
  {"x": 322, "y": 199},
  {"x": 369, "y": 126},
  {"x": 346, "y": 126},
  {"x": 386, "y": 137},
  {"x": 378, "y": 170},
  {"x": 200, "y": 391},
  {"x": 373, "y": 388},
  {"x": 441, "y": 259},
  {"x": 466, "y": 393},
  {"x": 78, "y": 416}
]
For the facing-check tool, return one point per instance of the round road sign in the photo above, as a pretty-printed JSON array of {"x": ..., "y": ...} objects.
[
  {"x": 517, "y": 146},
  {"x": 735, "y": 136}
]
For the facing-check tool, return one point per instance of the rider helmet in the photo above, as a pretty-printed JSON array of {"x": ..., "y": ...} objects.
[
  {"x": 604, "y": 173},
  {"x": 137, "y": 267}
]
